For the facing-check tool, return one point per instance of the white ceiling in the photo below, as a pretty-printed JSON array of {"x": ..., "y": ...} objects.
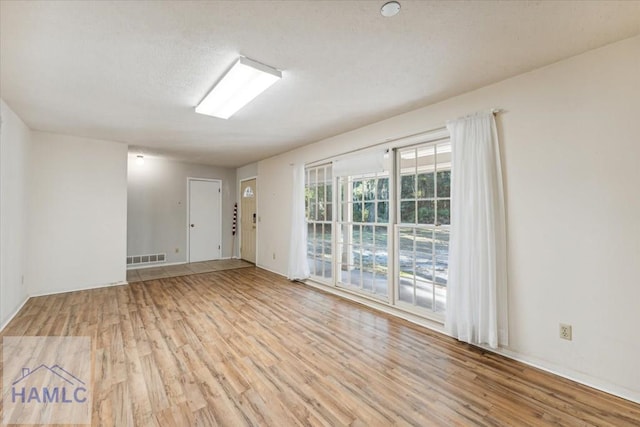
[{"x": 133, "y": 71}]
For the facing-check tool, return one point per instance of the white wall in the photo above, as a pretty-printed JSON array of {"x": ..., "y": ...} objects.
[
  {"x": 78, "y": 213},
  {"x": 157, "y": 206},
  {"x": 14, "y": 157},
  {"x": 247, "y": 171},
  {"x": 571, "y": 150}
]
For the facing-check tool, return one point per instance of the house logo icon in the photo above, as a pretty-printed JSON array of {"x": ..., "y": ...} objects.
[
  {"x": 48, "y": 384},
  {"x": 46, "y": 380}
]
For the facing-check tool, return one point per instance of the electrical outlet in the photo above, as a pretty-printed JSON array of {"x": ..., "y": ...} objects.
[
  {"x": 274, "y": 255},
  {"x": 565, "y": 332}
]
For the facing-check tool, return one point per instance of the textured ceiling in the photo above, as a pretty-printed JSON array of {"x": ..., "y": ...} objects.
[{"x": 132, "y": 71}]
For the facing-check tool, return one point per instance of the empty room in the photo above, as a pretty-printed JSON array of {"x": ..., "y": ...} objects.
[{"x": 323, "y": 213}]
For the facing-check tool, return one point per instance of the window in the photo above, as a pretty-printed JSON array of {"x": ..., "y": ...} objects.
[
  {"x": 363, "y": 240},
  {"x": 318, "y": 203},
  {"x": 383, "y": 231},
  {"x": 424, "y": 176}
]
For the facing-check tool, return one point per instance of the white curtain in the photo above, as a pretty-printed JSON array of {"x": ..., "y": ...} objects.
[
  {"x": 298, "y": 265},
  {"x": 477, "y": 286}
]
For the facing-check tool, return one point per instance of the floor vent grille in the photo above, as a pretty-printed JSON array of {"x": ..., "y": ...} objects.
[{"x": 146, "y": 259}]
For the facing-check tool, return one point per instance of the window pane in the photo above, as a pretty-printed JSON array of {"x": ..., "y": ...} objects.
[
  {"x": 444, "y": 183},
  {"x": 318, "y": 234},
  {"x": 357, "y": 212},
  {"x": 357, "y": 190},
  {"x": 426, "y": 212},
  {"x": 406, "y": 246},
  {"x": 383, "y": 189},
  {"x": 405, "y": 290},
  {"x": 367, "y": 235},
  {"x": 311, "y": 235},
  {"x": 367, "y": 280},
  {"x": 408, "y": 161},
  {"x": 426, "y": 186},
  {"x": 444, "y": 213},
  {"x": 383, "y": 212},
  {"x": 444, "y": 156},
  {"x": 369, "y": 189},
  {"x": 356, "y": 234},
  {"x": 408, "y": 185},
  {"x": 355, "y": 258},
  {"x": 369, "y": 213},
  {"x": 313, "y": 211},
  {"x": 424, "y": 294},
  {"x": 355, "y": 276},
  {"x": 381, "y": 237},
  {"x": 424, "y": 254},
  {"x": 408, "y": 212}
]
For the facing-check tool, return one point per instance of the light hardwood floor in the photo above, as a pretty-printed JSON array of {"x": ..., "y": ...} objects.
[{"x": 247, "y": 347}]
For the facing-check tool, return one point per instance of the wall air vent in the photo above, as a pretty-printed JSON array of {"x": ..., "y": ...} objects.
[{"x": 134, "y": 260}]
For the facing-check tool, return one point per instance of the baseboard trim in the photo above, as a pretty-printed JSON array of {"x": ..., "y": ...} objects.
[
  {"x": 578, "y": 377},
  {"x": 158, "y": 264},
  {"x": 270, "y": 270},
  {"x": 87, "y": 288},
  {"x": 15, "y": 312}
]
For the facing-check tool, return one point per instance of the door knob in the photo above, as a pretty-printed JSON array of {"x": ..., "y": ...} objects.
[{"x": 191, "y": 225}]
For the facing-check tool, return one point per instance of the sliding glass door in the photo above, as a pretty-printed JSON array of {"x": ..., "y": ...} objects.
[
  {"x": 384, "y": 234},
  {"x": 422, "y": 232}
]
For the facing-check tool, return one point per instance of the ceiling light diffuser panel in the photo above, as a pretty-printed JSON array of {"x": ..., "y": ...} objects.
[{"x": 243, "y": 82}]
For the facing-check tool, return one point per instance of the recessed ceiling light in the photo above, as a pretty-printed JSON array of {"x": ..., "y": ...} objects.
[
  {"x": 390, "y": 9},
  {"x": 243, "y": 82}
]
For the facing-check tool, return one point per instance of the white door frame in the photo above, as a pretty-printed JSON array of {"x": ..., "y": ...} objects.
[
  {"x": 187, "y": 225},
  {"x": 240, "y": 215}
]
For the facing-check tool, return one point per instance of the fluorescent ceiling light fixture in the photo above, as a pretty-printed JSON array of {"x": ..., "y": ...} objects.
[{"x": 244, "y": 81}]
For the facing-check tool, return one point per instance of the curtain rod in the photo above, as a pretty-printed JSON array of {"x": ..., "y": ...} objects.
[
  {"x": 493, "y": 111},
  {"x": 377, "y": 144}
]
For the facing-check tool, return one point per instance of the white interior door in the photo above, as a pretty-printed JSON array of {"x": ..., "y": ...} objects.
[{"x": 205, "y": 229}]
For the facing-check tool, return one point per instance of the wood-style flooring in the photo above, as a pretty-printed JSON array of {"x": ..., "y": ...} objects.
[{"x": 247, "y": 347}]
